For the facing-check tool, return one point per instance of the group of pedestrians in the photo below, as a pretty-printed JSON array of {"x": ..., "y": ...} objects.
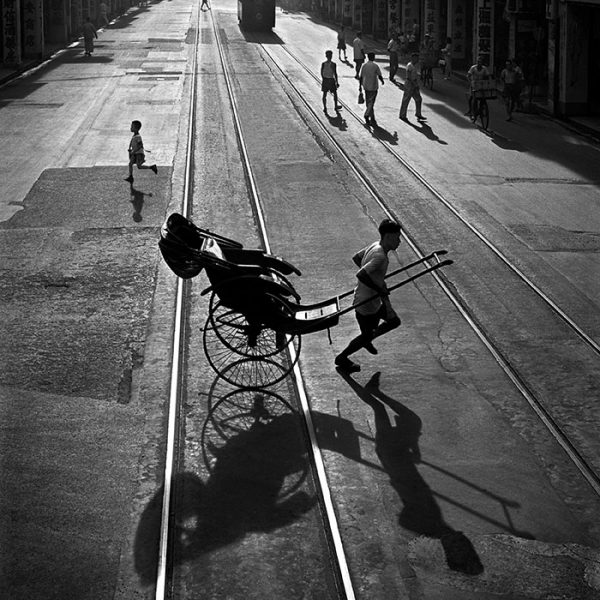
[{"x": 369, "y": 76}]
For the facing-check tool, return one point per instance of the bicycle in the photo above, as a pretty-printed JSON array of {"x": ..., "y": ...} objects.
[
  {"x": 427, "y": 77},
  {"x": 482, "y": 91},
  {"x": 481, "y": 110}
]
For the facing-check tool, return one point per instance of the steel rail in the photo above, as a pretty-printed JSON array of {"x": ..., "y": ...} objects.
[
  {"x": 421, "y": 179},
  {"x": 162, "y": 571},
  {"x": 323, "y": 485},
  {"x": 551, "y": 425}
]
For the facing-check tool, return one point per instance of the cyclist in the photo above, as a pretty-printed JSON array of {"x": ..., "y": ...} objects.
[{"x": 478, "y": 72}]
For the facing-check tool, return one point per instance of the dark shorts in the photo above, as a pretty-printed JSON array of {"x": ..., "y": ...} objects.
[
  {"x": 341, "y": 46},
  {"x": 137, "y": 159},
  {"x": 368, "y": 323},
  {"x": 328, "y": 85}
]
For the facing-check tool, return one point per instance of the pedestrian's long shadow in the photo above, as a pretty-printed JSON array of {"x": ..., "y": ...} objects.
[
  {"x": 397, "y": 447},
  {"x": 426, "y": 130},
  {"x": 337, "y": 121},
  {"x": 385, "y": 136}
]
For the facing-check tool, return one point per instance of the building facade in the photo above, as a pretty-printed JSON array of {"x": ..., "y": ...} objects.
[
  {"x": 34, "y": 29},
  {"x": 555, "y": 42}
]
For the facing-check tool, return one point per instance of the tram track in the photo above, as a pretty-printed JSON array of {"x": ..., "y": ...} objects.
[
  {"x": 344, "y": 580},
  {"x": 554, "y": 427}
]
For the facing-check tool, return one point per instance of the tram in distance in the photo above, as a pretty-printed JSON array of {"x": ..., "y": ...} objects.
[{"x": 256, "y": 14}]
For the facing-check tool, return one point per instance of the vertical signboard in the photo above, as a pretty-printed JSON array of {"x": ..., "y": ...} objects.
[
  {"x": 484, "y": 42},
  {"x": 410, "y": 11},
  {"x": 431, "y": 18},
  {"x": 33, "y": 37},
  {"x": 394, "y": 17},
  {"x": 357, "y": 16},
  {"x": 380, "y": 26},
  {"x": 347, "y": 12},
  {"x": 11, "y": 32},
  {"x": 459, "y": 30}
]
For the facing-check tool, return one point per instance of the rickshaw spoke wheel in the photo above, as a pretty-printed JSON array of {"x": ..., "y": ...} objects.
[{"x": 236, "y": 333}]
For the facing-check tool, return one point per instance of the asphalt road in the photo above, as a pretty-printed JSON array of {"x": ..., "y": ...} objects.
[{"x": 87, "y": 324}]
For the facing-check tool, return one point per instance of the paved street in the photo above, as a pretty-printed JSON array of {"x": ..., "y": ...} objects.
[{"x": 431, "y": 435}]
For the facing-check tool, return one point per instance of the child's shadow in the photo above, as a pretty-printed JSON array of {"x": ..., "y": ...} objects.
[{"x": 137, "y": 199}]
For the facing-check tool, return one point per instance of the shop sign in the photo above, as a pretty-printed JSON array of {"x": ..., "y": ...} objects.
[
  {"x": 484, "y": 41},
  {"x": 458, "y": 29},
  {"x": 430, "y": 18},
  {"x": 11, "y": 47},
  {"x": 32, "y": 27},
  {"x": 394, "y": 16}
]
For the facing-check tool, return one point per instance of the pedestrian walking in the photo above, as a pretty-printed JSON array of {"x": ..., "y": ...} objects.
[
  {"x": 204, "y": 3},
  {"x": 329, "y": 81},
  {"x": 510, "y": 77},
  {"x": 358, "y": 47},
  {"x": 411, "y": 88},
  {"x": 341, "y": 44},
  {"x": 103, "y": 10},
  {"x": 403, "y": 39},
  {"x": 394, "y": 50},
  {"x": 447, "y": 58},
  {"x": 370, "y": 76},
  {"x": 137, "y": 154},
  {"x": 371, "y": 296},
  {"x": 89, "y": 33}
]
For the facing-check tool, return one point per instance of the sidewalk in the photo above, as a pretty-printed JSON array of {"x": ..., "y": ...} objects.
[{"x": 588, "y": 125}]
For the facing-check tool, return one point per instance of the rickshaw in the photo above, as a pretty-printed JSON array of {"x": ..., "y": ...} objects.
[{"x": 254, "y": 312}]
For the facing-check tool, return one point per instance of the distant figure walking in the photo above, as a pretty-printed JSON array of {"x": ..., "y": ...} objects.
[
  {"x": 447, "y": 54},
  {"x": 204, "y": 3},
  {"x": 329, "y": 83},
  {"x": 89, "y": 33},
  {"x": 371, "y": 296},
  {"x": 394, "y": 50},
  {"x": 358, "y": 47},
  {"x": 341, "y": 44},
  {"x": 103, "y": 10},
  {"x": 370, "y": 75},
  {"x": 137, "y": 155},
  {"x": 511, "y": 79},
  {"x": 411, "y": 88}
]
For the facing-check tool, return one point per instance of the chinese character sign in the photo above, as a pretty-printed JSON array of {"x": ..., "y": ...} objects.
[
  {"x": 11, "y": 32},
  {"x": 484, "y": 40},
  {"x": 458, "y": 29}
]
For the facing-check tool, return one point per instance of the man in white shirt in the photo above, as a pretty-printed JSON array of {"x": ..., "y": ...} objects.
[
  {"x": 411, "y": 88},
  {"x": 370, "y": 75},
  {"x": 358, "y": 47},
  {"x": 371, "y": 296}
]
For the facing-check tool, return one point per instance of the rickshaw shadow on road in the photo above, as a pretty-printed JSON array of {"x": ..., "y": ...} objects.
[{"x": 257, "y": 465}]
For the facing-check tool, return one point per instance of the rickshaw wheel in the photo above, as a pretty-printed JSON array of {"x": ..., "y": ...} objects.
[
  {"x": 232, "y": 421},
  {"x": 247, "y": 373},
  {"x": 236, "y": 333}
]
